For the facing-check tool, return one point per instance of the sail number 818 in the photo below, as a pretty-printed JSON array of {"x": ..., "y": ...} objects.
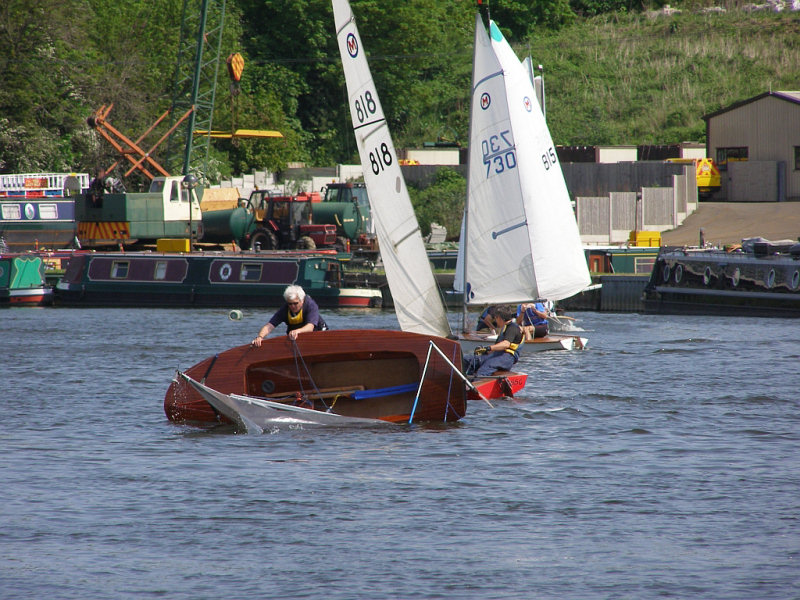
[
  {"x": 380, "y": 158},
  {"x": 365, "y": 106}
]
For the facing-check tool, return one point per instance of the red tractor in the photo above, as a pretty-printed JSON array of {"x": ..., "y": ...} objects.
[{"x": 285, "y": 222}]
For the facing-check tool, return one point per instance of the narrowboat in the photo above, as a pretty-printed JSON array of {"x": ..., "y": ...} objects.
[
  {"x": 206, "y": 279},
  {"x": 758, "y": 278},
  {"x": 22, "y": 281},
  {"x": 37, "y": 210}
]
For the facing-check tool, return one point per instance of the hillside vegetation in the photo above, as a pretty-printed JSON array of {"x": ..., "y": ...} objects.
[{"x": 619, "y": 77}]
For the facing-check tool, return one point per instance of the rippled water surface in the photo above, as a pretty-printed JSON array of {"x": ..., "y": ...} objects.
[{"x": 663, "y": 461}]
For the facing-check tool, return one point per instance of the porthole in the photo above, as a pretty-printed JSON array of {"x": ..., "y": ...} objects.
[
  {"x": 770, "y": 278},
  {"x": 678, "y": 273},
  {"x": 707, "y": 276},
  {"x": 225, "y": 271},
  {"x": 737, "y": 274},
  {"x": 796, "y": 280},
  {"x": 665, "y": 273}
]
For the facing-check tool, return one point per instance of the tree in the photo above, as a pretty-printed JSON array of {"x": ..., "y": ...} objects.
[{"x": 442, "y": 202}]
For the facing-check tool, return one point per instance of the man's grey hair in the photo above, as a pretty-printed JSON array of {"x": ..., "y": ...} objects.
[{"x": 294, "y": 291}]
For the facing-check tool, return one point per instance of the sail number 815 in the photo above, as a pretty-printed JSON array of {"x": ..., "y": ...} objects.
[{"x": 549, "y": 159}]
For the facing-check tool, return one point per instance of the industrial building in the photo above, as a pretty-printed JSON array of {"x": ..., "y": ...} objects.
[{"x": 756, "y": 145}]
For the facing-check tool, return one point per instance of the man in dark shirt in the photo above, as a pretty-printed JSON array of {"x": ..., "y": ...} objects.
[
  {"x": 300, "y": 313},
  {"x": 503, "y": 354},
  {"x": 97, "y": 188}
]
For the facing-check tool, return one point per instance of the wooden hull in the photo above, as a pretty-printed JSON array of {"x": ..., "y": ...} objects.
[
  {"x": 372, "y": 374},
  {"x": 205, "y": 279}
]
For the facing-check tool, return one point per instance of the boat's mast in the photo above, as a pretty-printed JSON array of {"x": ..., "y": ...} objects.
[{"x": 463, "y": 242}]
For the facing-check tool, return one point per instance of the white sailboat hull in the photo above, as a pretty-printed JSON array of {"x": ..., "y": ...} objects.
[{"x": 471, "y": 340}]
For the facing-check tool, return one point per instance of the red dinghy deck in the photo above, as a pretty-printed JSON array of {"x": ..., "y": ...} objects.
[
  {"x": 503, "y": 384},
  {"x": 359, "y": 373}
]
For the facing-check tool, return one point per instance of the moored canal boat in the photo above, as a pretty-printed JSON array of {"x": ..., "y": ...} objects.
[
  {"x": 22, "y": 281},
  {"x": 206, "y": 279},
  {"x": 759, "y": 279},
  {"x": 37, "y": 210}
]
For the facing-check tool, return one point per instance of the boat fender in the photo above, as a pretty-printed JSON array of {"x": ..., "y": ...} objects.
[{"x": 225, "y": 271}]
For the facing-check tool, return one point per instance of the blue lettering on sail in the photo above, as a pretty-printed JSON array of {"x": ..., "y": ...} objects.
[{"x": 499, "y": 153}]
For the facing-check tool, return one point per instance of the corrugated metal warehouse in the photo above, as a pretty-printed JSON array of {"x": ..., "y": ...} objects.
[{"x": 756, "y": 144}]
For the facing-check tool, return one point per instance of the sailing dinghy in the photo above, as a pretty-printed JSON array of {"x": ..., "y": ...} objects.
[
  {"x": 396, "y": 376},
  {"x": 520, "y": 240},
  {"x": 417, "y": 299},
  {"x": 374, "y": 374}
]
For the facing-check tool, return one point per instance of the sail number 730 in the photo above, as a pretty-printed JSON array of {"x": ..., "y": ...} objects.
[{"x": 499, "y": 153}]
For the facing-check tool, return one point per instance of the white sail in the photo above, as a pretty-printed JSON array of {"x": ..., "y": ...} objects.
[
  {"x": 417, "y": 302},
  {"x": 522, "y": 241}
]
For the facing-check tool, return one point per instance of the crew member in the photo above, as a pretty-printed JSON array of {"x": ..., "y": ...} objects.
[
  {"x": 485, "y": 320},
  {"x": 503, "y": 354},
  {"x": 299, "y": 312},
  {"x": 97, "y": 188},
  {"x": 533, "y": 319}
]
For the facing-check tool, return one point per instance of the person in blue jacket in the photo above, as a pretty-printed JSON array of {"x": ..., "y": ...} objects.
[
  {"x": 532, "y": 318},
  {"x": 486, "y": 320},
  {"x": 299, "y": 312}
]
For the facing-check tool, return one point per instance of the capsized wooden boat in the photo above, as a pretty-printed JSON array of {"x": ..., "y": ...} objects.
[{"x": 368, "y": 374}]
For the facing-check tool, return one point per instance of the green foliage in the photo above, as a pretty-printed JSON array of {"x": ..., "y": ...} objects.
[
  {"x": 622, "y": 77},
  {"x": 520, "y": 19},
  {"x": 442, "y": 202}
]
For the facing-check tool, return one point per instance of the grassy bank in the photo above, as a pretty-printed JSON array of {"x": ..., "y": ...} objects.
[{"x": 638, "y": 79}]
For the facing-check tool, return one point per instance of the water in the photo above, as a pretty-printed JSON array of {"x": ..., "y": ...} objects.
[{"x": 663, "y": 461}]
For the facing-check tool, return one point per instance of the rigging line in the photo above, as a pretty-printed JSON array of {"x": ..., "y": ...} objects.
[
  {"x": 297, "y": 354},
  {"x": 448, "y": 407}
]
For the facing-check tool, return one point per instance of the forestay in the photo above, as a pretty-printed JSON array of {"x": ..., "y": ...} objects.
[
  {"x": 522, "y": 240},
  {"x": 416, "y": 297}
]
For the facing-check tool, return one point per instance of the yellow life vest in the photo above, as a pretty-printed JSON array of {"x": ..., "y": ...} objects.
[
  {"x": 512, "y": 349},
  {"x": 294, "y": 321}
]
